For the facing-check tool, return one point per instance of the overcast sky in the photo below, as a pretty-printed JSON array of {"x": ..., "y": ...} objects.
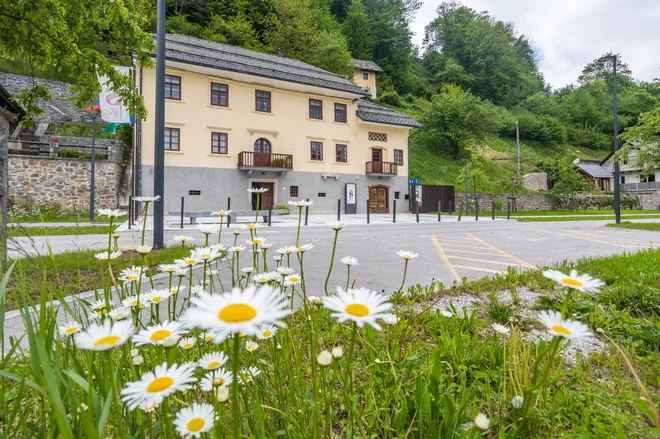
[{"x": 568, "y": 34}]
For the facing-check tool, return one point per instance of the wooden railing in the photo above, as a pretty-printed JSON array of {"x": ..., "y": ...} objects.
[
  {"x": 387, "y": 168},
  {"x": 249, "y": 159}
]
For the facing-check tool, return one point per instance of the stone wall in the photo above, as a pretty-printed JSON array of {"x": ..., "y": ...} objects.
[
  {"x": 523, "y": 201},
  {"x": 537, "y": 181},
  {"x": 62, "y": 180},
  {"x": 648, "y": 199}
]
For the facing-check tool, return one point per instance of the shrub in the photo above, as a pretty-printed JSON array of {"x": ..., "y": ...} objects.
[
  {"x": 279, "y": 163},
  {"x": 283, "y": 207},
  {"x": 390, "y": 98}
]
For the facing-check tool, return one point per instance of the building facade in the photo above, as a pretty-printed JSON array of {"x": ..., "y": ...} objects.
[
  {"x": 631, "y": 175},
  {"x": 237, "y": 119}
]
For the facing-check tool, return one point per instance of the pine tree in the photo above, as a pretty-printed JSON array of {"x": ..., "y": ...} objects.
[{"x": 357, "y": 29}]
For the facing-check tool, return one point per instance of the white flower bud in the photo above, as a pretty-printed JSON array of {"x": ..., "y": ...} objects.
[
  {"x": 337, "y": 352},
  {"x": 517, "y": 401},
  {"x": 278, "y": 347},
  {"x": 324, "y": 358},
  {"x": 222, "y": 394},
  {"x": 482, "y": 422},
  {"x": 137, "y": 360}
]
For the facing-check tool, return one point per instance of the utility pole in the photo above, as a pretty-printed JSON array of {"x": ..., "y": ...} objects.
[
  {"x": 159, "y": 147},
  {"x": 617, "y": 178},
  {"x": 467, "y": 189},
  {"x": 92, "y": 184},
  {"x": 518, "y": 153}
]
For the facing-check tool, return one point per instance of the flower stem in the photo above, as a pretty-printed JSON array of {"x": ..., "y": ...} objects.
[
  {"x": 299, "y": 220},
  {"x": 144, "y": 222},
  {"x": 405, "y": 270},
  {"x": 348, "y": 278},
  {"x": 348, "y": 381},
  {"x": 332, "y": 261},
  {"x": 235, "y": 403}
]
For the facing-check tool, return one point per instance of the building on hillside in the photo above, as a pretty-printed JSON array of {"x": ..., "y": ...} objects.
[
  {"x": 632, "y": 176},
  {"x": 238, "y": 119},
  {"x": 365, "y": 75},
  {"x": 598, "y": 177}
]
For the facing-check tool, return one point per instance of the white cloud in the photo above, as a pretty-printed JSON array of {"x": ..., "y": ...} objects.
[{"x": 568, "y": 34}]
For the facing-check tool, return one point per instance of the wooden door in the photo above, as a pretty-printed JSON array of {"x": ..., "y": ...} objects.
[
  {"x": 265, "y": 197},
  {"x": 379, "y": 198},
  {"x": 262, "y": 149}
]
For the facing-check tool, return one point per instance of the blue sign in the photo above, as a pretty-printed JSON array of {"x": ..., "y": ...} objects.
[{"x": 414, "y": 181}]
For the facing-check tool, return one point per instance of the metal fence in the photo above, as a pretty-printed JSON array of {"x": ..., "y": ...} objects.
[{"x": 640, "y": 186}]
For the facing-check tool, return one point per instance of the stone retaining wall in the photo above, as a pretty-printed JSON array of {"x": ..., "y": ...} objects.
[
  {"x": 62, "y": 180},
  {"x": 647, "y": 200},
  {"x": 523, "y": 201}
]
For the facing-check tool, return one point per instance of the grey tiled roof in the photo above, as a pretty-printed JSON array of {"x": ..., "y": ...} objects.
[
  {"x": 370, "y": 112},
  {"x": 369, "y": 66},
  {"x": 185, "y": 49},
  {"x": 594, "y": 169}
]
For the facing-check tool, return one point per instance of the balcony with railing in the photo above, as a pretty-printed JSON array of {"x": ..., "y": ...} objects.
[
  {"x": 382, "y": 169},
  {"x": 265, "y": 161}
]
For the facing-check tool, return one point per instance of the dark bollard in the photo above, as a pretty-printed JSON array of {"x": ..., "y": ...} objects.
[
  {"x": 368, "y": 212},
  {"x": 306, "y": 214},
  {"x": 460, "y": 213},
  {"x": 451, "y": 207},
  {"x": 493, "y": 210},
  {"x": 416, "y": 211},
  {"x": 439, "y": 210},
  {"x": 182, "y": 212},
  {"x": 270, "y": 210},
  {"x": 508, "y": 210},
  {"x": 339, "y": 209},
  {"x": 394, "y": 211},
  {"x": 228, "y": 208},
  {"x": 130, "y": 210},
  {"x": 476, "y": 210}
]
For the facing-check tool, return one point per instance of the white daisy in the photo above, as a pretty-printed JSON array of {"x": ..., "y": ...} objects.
[
  {"x": 258, "y": 190},
  {"x": 278, "y": 258},
  {"x": 217, "y": 378},
  {"x": 349, "y": 260},
  {"x": 144, "y": 249},
  {"x": 210, "y": 337},
  {"x": 261, "y": 278},
  {"x": 155, "y": 297},
  {"x": 69, "y": 328},
  {"x": 251, "y": 346},
  {"x": 237, "y": 249},
  {"x": 157, "y": 334},
  {"x": 583, "y": 282},
  {"x": 183, "y": 238},
  {"x": 212, "y": 272},
  {"x": 265, "y": 245},
  {"x": 190, "y": 261},
  {"x": 285, "y": 271},
  {"x": 237, "y": 232},
  {"x": 406, "y": 254},
  {"x": 119, "y": 313},
  {"x": 286, "y": 250},
  {"x": 563, "y": 328},
  {"x": 105, "y": 336},
  {"x": 175, "y": 290},
  {"x": 213, "y": 360},
  {"x": 390, "y": 318},
  {"x": 187, "y": 343},
  {"x": 103, "y": 256},
  {"x": 302, "y": 203},
  {"x": 196, "y": 289},
  {"x": 219, "y": 247},
  {"x": 147, "y": 199},
  {"x": 315, "y": 300},
  {"x": 304, "y": 248},
  {"x": 167, "y": 268},
  {"x": 238, "y": 310},
  {"x": 251, "y": 226},
  {"x": 360, "y": 306},
  {"x": 247, "y": 270},
  {"x": 148, "y": 406},
  {"x": 132, "y": 301},
  {"x": 255, "y": 241},
  {"x": 292, "y": 279},
  {"x": 191, "y": 422},
  {"x": 500, "y": 329},
  {"x": 248, "y": 375},
  {"x": 138, "y": 359},
  {"x": 99, "y": 308},
  {"x": 205, "y": 253},
  {"x": 111, "y": 213},
  {"x": 266, "y": 332},
  {"x": 156, "y": 385},
  {"x": 336, "y": 225},
  {"x": 208, "y": 229},
  {"x": 221, "y": 212}
]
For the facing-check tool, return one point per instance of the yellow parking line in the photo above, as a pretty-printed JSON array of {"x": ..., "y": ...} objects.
[
  {"x": 630, "y": 246},
  {"x": 487, "y": 270},
  {"x": 503, "y": 253},
  {"x": 444, "y": 259},
  {"x": 473, "y": 253},
  {"x": 481, "y": 260},
  {"x": 456, "y": 240}
]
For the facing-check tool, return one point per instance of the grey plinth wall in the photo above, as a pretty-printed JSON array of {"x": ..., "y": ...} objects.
[{"x": 216, "y": 185}]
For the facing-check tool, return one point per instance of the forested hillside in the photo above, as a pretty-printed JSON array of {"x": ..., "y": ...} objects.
[{"x": 474, "y": 77}]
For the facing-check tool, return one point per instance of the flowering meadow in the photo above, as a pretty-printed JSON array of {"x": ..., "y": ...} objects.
[{"x": 237, "y": 345}]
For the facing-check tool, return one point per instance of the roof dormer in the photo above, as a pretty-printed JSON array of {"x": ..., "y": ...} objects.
[{"x": 365, "y": 76}]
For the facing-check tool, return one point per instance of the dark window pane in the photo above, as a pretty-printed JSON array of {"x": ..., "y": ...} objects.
[
  {"x": 293, "y": 191},
  {"x": 398, "y": 156},
  {"x": 262, "y": 101},
  {"x": 342, "y": 153},
  {"x": 219, "y": 143},
  {"x": 171, "y": 139},
  {"x": 365, "y": 76},
  {"x": 315, "y": 109},
  {"x": 340, "y": 113},
  {"x": 219, "y": 94},
  {"x": 172, "y": 87},
  {"x": 317, "y": 150}
]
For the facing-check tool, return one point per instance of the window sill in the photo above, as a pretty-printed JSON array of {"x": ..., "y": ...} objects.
[
  {"x": 316, "y": 161},
  {"x": 265, "y": 113},
  {"x": 226, "y": 156},
  {"x": 175, "y": 101},
  {"x": 167, "y": 151},
  {"x": 342, "y": 163},
  {"x": 340, "y": 123},
  {"x": 315, "y": 120},
  {"x": 218, "y": 107}
]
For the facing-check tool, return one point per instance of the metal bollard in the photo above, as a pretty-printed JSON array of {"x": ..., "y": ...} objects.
[
  {"x": 451, "y": 207},
  {"x": 508, "y": 210},
  {"x": 306, "y": 214},
  {"x": 338, "y": 209},
  {"x": 228, "y": 208},
  {"x": 130, "y": 210},
  {"x": 394, "y": 212},
  {"x": 493, "y": 210},
  {"x": 368, "y": 211},
  {"x": 476, "y": 210},
  {"x": 439, "y": 210},
  {"x": 270, "y": 210},
  {"x": 416, "y": 211},
  {"x": 182, "y": 212},
  {"x": 460, "y": 213}
]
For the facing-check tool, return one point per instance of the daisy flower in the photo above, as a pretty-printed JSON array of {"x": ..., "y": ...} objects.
[
  {"x": 324, "y": 359},
  {"x": 69, "y": 328},
  {"x": 190, "y": 261},
  {"x": 103, "y": 256},
  {"x": 156, "y": 334},
  {"x": 148, "y": 406},
  {"x": 119, "y": 313},
  {"x": 336, "y": 225},
  {"x": 183, "y": 238},
  {"x": 187, "y": 343},
  {"x": 583, "y": 282},
  {"x": 255, "y": 241},
  {"x": 147, "y": 199},
  {"x": 217, "y": 378},
  {"x": 144, "y": 249},
  {"x": 132, "y": 301},
  {"x": 191, "y": 422},
  {"x": 563, "y": 328},
  {"x": 99, "y": 307},
  {"x": 360, "y": 306},
  {"x": 286, "y": 250},
  {"x": 251, "y": 346},
  {"x": 196, "y": 289},
  {"x": 213, "y": 360},
  {"x": 212, "y": 272},
  {"x": 105, "y": 336},
  {"x": 278, "y": 258},
  {"x": 167, "y": 268},
  {"x": 349, "y": 260},
  {"x": 265, "y": 245},
  {"x": 238, "y": 310},
  {"x": 209, "y": 336},
  {"x": 221, "y": 212},
  {"x": 237, "y": 232},
  {"x": 500, "y": 329},
  {"x": 304, "y": 248},
  {"x": 315, "y": 300},
  {"x": 156, "y": 296},
  {"x": 266, "y": 332},
  {"x": 251, "y": 226},
  {"x": 111, "y": 213},
  {"x": 138, "y": 359},
  {"x": 406, "y": 254},
  {"x": 248, "y": 375},
  {"x": 447, "y": 313},
  {"x": 176, "y": 290},
  {"x": 204, "y": 253},
  {"x": 247, "y": 270},
  {"x": 208, "y": 229},
  {"x": 237, "y": 249},
  {"x": 390, "y": 318},
  {"x": 302, "y": 203},
  {"x": 257, "y": 190},
  {"x": 261, "y": 278},
  {"x": 285, "y": 271},
  {"x": 155, "y": 386},
  {"x": 292, "y": 279}
]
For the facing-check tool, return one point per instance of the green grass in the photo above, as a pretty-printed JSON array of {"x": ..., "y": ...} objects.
[
  {"x": 59, "y": 231},
  {"x": 51, "y": 217},
  {"x": 638, "y": 226},
  {"x": 576, "y": 212},
  {"x": 582, "y": 218}
]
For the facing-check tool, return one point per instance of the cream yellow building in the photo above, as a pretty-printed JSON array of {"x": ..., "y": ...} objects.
[{"x": 237, "y": 119}]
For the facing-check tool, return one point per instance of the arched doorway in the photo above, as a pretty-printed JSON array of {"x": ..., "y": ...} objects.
[
  {"x": 379, "y": 196},
  {"x": 262, "y": 153}
]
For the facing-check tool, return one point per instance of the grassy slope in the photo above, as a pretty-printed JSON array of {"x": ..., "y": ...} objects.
[{"x": 639, "y": 226}]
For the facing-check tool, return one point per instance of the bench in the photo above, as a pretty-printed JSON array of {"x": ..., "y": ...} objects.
[{"x": 232, "y": 216}]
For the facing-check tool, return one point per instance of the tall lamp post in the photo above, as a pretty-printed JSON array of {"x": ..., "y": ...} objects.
[
  {"x": 93, "y": 167},
  {"x": 467, "y": 189},
  {"x": 159, "y": 147},
  {"x": 617, "y": 200}
]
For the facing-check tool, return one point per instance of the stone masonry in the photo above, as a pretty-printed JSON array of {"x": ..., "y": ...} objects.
[
  {"x": 523, "y": 201},
  {"x": 63, "y": 180}
]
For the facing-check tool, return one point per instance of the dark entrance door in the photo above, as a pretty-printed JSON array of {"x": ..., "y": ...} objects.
[
  {"x": 262, "y": 153},
  {"x": 265, "y": 197},
  {"x": 379, "y": 198},
  {"x": 431, "y": 194}
]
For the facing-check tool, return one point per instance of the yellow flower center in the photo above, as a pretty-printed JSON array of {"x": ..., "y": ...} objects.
[
  {"x": 187, "y": 345},
  {"x": 131, "y": 277},
  {"x": 160, "y": 384},
  {"x": 208, "y": 338},
  {"x": 191, "y": 261},
  {"x": 300, "y": 249},
  {"x": 160, "y": 334},
  {"x": 237, "y": 312},
  {"x": 250, "y": 226},
  {"x": 110, "y": 340},
  {"x": 572, "y": 282},
  {"x": 256, "y": 241},
  {"x": 205, "y": 256},
  {"x": 357, "y": 310},
  {"x": 561, "y": 330},
  {"x": 70, "y": 330},
  {"x": 293, "y": 279},
  {"x": 156, "y": 299},
  {"x": 222, "y": 381},
  {"x": 213, "y": 365},
  {"x": 267, "y": 333},
  {"x": 240, "y": 334},
  {"x": 150, "y": 406},
  {"x": 406, "y": 256},
  {"x": 195, "y": 425}
]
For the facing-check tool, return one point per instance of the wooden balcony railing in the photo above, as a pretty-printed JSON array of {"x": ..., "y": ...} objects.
[
  {"x": 383, "y": 168},
  {"x": 249, "y": 159}
]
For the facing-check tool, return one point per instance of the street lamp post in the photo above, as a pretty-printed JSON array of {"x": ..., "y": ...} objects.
[
  {"x": 159, "y": 147},
  {"x": 617, "y": 199},
  {"x": 93, "y": 169},
  {"x": 467, "y": 189}
]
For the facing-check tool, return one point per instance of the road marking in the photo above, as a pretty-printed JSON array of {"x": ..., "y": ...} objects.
[
  {"x": 629, "y": 246},
  {"x": 444, "y": 259},
  {"x": 456, "y": 240},
  {"x": 502, "y": 252},
  {"x": 519, "y": 238},
  {"x": 473, "y": 253},
  {"x": 487, "y": 270},
  {"x": 508, "y": 264}
]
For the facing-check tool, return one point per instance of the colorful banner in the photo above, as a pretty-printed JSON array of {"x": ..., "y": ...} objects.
[{"x": 112, "y": 108}]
